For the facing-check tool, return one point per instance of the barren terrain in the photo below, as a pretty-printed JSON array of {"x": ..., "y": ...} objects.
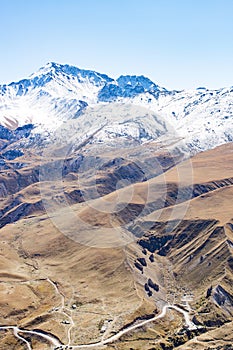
[{"x": 122, "y": 256}]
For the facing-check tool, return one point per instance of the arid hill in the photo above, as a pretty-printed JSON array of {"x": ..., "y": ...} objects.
[{"x": 85, "y": 258}]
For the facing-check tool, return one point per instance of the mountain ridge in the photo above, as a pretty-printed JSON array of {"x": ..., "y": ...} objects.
[{"x": 57, "y": 93}]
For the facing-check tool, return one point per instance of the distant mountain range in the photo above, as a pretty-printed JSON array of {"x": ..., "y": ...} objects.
[{"x": 56, "y": 93}]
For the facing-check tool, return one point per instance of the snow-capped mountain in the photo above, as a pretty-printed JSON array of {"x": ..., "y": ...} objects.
[{"x": 56, "y": 93}]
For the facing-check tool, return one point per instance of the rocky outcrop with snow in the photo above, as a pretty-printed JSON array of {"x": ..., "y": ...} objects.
[{"x": 56, "y": 93}]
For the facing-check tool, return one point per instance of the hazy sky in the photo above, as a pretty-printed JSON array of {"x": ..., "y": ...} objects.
[{"x": 177, "y": 43}]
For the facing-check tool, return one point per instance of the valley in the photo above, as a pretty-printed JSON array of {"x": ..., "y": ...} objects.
[
  {"x": 116, "y": 214},
  {"x": 175, "y": 267}
]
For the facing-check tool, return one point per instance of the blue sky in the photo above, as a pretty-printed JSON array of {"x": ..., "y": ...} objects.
[{"x": 177, "y": 43}]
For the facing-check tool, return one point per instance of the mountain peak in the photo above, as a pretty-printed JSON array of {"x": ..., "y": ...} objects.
[
  {"x": 69, "y": 70},
  {"x": 136, "y": 81},
  {"x": 58, "y": 92},
  {"x": 88, "y": 85},
  {"x": 49, "y": 67}
]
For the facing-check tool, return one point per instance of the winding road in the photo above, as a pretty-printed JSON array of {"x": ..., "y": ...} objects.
[
  {"x": 63, "y": 310},
  {"x": 16, "y": 330},
  {"x": 58, "y": 346}
]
